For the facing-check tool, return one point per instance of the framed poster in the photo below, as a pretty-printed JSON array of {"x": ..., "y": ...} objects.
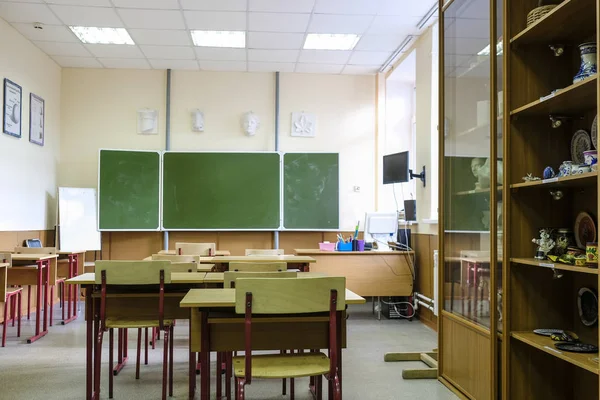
[
  {"x": 12, "y": 108},
  {"x": 36, "y": 119}
]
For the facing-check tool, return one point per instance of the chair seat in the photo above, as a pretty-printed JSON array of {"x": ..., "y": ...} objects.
[
  {"x": 278, "y": 366},
  {"x": 132, "y": 323}
]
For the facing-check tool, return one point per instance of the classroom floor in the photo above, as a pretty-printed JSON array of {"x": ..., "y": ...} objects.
[{"x": 53, "y": 368}]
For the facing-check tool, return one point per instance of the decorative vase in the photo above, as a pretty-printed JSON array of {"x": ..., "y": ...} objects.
[
  {"x": 588, "y": 66},
  {"x": 565, "y": 168},
  {"x": 563, "y": 238}
]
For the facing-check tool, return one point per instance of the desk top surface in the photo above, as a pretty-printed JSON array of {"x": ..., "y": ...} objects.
[
  {"x": 4, "y": 265},
  {"x": 219, "y": 277},
  {"x": 176, "y": 278},
  {"x": 226, "y": 298},
  {"x": 218, "y": 253},
  {"x": 32, "y": 257},
  {"x": 285, "y": 258},
  {"x": 311, "y": 252},
  {"x": 65, "y": 252}
]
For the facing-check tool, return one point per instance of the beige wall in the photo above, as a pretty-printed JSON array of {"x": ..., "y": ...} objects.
[
  {"x": 99, "y": 111},
  {"x": 28, "y": 170}
]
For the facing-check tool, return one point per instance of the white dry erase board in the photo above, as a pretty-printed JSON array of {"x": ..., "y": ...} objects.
[{"x": 77, "y": 219}]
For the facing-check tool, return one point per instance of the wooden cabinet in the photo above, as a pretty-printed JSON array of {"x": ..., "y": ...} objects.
[{"x": 494, "y": 293}]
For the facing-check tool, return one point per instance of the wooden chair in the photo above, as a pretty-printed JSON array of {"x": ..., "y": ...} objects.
[
  {"x": 229, "y": 282},
  {"x": 53, "y": 281},
  {"x": 289, "y": 296},
  {"x": 133, "y": 273},
  {"x": 257, "y": 267},
  {"x": 190, "y": 267},
  {"x": 196, "y": 249},
  {"x": 9, "y": 295},
  {"x": 264, "y": 252}
]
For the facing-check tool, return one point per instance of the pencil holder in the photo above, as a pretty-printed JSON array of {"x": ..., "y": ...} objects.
[
  {"x": 344, "y": 246},
  {"x": 360, "y": 245}
]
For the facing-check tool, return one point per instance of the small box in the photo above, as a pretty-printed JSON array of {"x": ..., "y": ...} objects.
[
  {"x": 344, "y": 246},
  {"x": 327, "y": 246}
]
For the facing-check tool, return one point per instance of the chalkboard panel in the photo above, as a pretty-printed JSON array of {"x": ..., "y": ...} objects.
[
  {"x": 311, "y": 191},
  {"x": 129, "y": 190},
  {"x": 221, "y": 191}
]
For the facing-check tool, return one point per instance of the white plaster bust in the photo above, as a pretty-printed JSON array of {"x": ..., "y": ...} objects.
[
  {"x": 197, "y": 121},
  {"x": 250, "y": 123}
]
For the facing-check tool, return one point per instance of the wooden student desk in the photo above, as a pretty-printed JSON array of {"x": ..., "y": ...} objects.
[
  {"x": 368, "y": 273},
  {"x": 227, "y": 334},
  {"x": 293, "y": 262},
  {"x": 70, "y": 267},
  {"x": 218, "y": 253},
  {"x": 34, "y": 275},
  {"x": 127, "y": 306}
]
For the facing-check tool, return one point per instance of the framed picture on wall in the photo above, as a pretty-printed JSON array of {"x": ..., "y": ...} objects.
[
  {"x": 13, "y": 95},
  {"x": 36, "y": 119}
]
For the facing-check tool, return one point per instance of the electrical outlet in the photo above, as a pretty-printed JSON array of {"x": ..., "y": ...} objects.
[{"x": 357, "y": 189}]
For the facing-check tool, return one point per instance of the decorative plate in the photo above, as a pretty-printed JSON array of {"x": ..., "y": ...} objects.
[
  {"x": 587, "y": 304},
  {"x": 577, "y": 347},
  {"x": 594, "y": 132},
  {"x": 548, "y": 332},
  {"x": 585, "y": 230},
  {"x": 579, "y": 143}
]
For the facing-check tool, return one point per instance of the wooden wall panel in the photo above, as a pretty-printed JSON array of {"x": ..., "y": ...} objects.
[
  {"x": 299, "y": 240},
  {"x": 11, "y": 239},
  {"x": 238, "y": 242},
  {"x": 466, "y": 358},
  {"x": 131, "y": 245},
  {"x": 193, "y": 237},
  {"x": 424, "y": 245}
]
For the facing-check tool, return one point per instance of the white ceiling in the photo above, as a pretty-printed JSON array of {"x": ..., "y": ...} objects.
[{"x": 276, "y": 30}]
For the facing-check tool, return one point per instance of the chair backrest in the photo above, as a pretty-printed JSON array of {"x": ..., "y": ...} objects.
[
  {"x": 289, "y": 296},
  {"x": 6, "y": 258},
  {"x": 265, "y": 252},
  {"x": 184, "y": 267},
  {"x": 35, "y": 250},
  {"x": 196, "y": 249},
  {"x": 230, "y": 276},
  {"x": 175, "y": 258},
  {"x": 257, "y": 266},
  {"x": 133, "y": 272}
]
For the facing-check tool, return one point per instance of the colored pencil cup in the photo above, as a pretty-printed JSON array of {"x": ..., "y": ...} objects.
[{"x": 360, "y": 245}]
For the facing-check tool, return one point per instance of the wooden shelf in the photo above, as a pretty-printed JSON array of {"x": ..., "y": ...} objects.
[
  {"x": 545, "y": 344},
  {"x": 549, "y": 264},
  {"x": 476, "y": 191},
  {"x": 576, "y": 98},
  {"x": 587, "y": 179},
  {"x": 570, "y": 19}
]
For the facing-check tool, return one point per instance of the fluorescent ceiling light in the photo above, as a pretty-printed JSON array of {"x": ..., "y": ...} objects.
[
  {"x": 235, "y": 39},
  {"x": 102, "y": 35},
  {"x": 319, "y": 41}
]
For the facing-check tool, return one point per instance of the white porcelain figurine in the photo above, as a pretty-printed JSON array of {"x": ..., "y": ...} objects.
[{"x": 250, "y": 123}]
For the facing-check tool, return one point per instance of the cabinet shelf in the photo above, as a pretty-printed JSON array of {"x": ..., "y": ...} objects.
[
  {"x": 570, "y": 19},
  {"x": 587, "y": 179},
  {"x": 576, "y": 98},
  {"x": 546, "y": 345},
  {"x": 551, "y": 265}
]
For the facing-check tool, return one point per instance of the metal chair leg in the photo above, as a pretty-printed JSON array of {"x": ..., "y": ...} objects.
[
  {"x": 110, "y": 362},
  {"x": 4, "y": 324},
  {"x": 146, "y": 346},
  {"x": 19, "y": 314},
  {"x": 165, "y": 365},
  {"x": 139, "y": 354},
  {"x": 172, "y": 339}
]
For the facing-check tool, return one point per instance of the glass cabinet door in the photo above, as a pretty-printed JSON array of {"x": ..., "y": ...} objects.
[{"x": 467, "y": 179}]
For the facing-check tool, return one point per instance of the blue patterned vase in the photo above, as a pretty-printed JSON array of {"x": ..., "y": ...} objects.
[{"x": 588, "y": 66}]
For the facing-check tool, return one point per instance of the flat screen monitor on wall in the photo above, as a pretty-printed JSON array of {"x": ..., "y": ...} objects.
[{"x": 395, "y": 168}]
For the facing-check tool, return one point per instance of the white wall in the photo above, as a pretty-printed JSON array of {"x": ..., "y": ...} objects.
[
  {"x": 28, "y": 201},
  {"x": 99, "y": 111}
]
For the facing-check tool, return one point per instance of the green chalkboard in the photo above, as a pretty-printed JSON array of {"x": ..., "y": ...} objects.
[
  {"x": 129, "y": 190},
  {"x": 221, "y": 191},
  {"x": 311, "y": 191}
]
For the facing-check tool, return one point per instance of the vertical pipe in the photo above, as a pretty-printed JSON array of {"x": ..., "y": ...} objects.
[
  {"x": 167, "y": 141},
  {"x": 276, "y": 233}
]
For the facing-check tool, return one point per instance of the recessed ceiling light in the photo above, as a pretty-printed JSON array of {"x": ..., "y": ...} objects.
[
  {"x": 319, "y": 41},
  {"x": 93, "y": 35},
  {"x": 235, "y": 39}
]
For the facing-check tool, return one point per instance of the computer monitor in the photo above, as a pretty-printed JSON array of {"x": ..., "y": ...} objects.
[
  {"x": 381, "y": 227},
  {"x": 395, "y": 168}
]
